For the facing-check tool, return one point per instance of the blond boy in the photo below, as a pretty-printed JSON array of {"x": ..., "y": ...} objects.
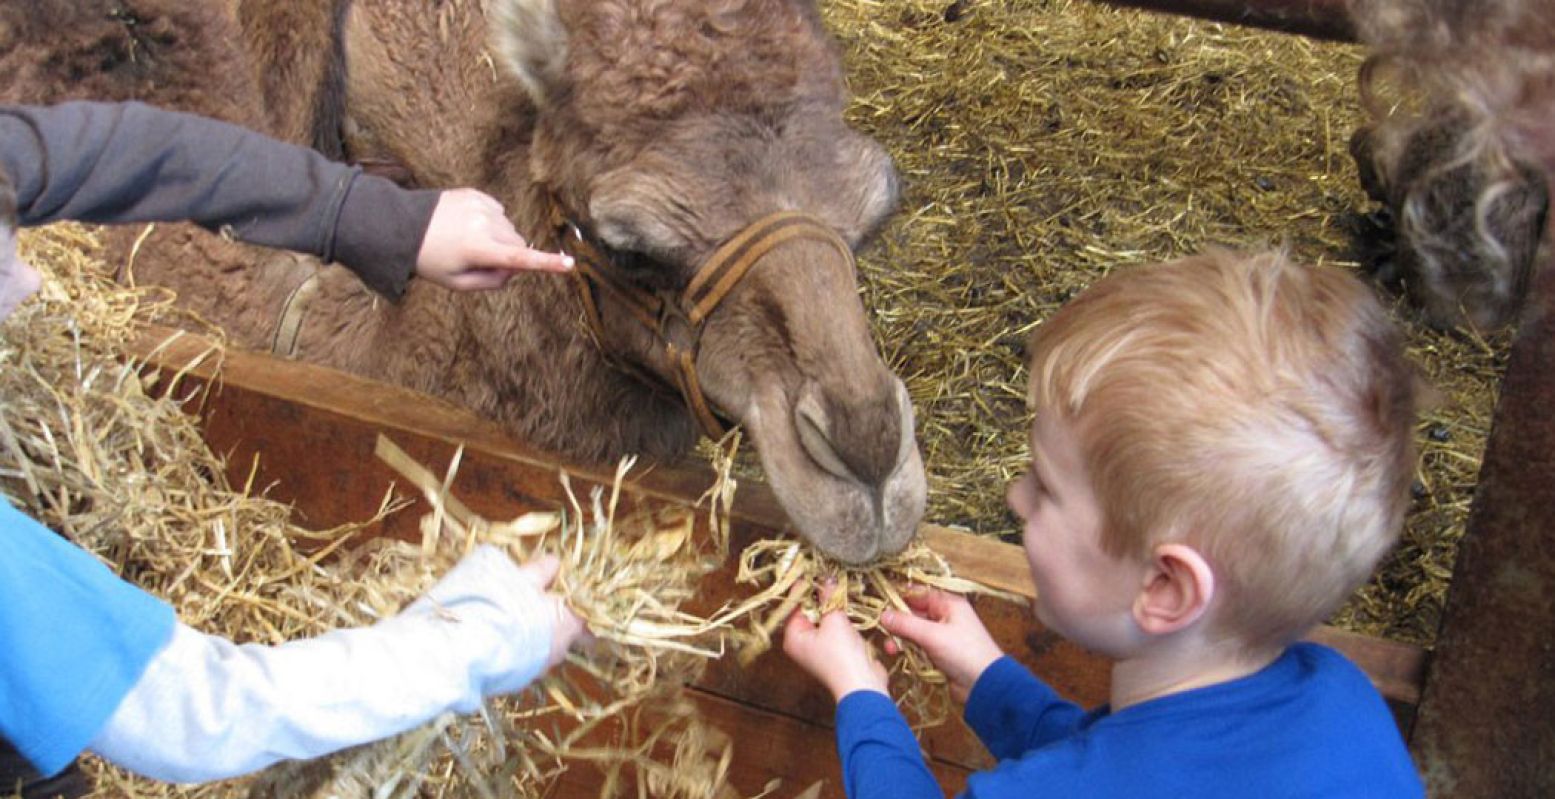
[{"x": 1221, "y": 453}]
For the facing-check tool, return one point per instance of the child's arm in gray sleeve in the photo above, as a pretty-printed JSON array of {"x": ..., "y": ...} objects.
[{"x": 130, "y": 162}]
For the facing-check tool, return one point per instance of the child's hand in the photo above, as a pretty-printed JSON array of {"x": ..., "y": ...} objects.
[
  {"x": 18, "y": 280},
  {"x": 950, "y": 632},
  {"x": 834, "y": 653},
  {"x": 470, "y": 244},
  {"x": 566, "y": 628}
]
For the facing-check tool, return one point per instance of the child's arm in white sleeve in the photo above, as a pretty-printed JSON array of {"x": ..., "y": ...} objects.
[{"x": 207, "y": 709}]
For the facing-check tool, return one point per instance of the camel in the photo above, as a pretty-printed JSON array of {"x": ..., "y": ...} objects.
[
  {"x": 693, "y": 154},
  {"x": 1459, "y": 150}
]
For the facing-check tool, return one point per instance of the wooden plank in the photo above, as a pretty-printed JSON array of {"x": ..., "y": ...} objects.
[
  {"x": 320, "y": 460},
  {"x": 1319, "y": 19},
  {"x": 794, "y": 753},
  {"x": 1486, "y": 724},
  {"x": 314, "y": 430}
]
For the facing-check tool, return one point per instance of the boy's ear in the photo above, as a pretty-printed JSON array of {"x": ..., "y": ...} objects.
[{"x": 1177, "y": 590}]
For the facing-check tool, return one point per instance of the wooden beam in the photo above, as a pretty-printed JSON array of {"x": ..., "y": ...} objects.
[
  {"x": 776, "y": 748},
  {"x": 313, "y": 431},
  {"x": 1486, "y": 724},
  {"x": 1319, "y": 19}
]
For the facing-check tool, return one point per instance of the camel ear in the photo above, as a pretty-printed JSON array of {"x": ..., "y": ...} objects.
[
  {"x": 874, "y": 198},
  {"x": 531, "y": 42}
]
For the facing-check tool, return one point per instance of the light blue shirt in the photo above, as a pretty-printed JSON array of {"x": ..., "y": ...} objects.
[{"x": 74, "y": 639}]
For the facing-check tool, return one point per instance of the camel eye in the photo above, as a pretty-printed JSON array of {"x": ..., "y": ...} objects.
[
  {"x": 631, "y": 261},
  {"x": 642, "y": 268}
]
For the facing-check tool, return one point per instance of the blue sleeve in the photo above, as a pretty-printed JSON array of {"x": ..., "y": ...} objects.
[
  {"x": 1013, "y": 712},
  {"x": 75, "y": 637},
  {"x": 880, "y": 756}
]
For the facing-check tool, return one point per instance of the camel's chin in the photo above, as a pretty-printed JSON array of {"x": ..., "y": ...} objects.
[{"x": 845, "y": 519}]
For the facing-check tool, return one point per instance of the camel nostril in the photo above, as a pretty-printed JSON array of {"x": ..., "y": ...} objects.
[
  {"x": 813, "y": 426},
  {"x": 907, "y": 438}
]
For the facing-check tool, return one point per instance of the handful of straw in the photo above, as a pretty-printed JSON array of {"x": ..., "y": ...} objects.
[{"x": 628, "y": 576}]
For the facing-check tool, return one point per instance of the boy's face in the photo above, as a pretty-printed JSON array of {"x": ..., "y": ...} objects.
[
  {"x": 18, "y": 280},
  {"x": 1083, "y": 593}
]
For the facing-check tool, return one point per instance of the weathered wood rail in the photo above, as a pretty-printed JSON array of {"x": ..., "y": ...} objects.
[
  {"x": 1320, "y": 19},
  {"x": 313, "y": 431},
  {"x": 1487, "y": 719}
]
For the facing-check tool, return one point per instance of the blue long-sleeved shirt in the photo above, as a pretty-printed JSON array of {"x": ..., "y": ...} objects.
[
  {"x": 1307, "y": 725},
  {"x": 76, "y": 639}
]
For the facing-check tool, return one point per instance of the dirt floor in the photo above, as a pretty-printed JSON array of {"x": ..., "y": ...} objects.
[{"x": 1044, "y": 143}]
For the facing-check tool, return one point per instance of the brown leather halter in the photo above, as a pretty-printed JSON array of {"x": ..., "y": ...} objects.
[{"x": 676, "y": 320}]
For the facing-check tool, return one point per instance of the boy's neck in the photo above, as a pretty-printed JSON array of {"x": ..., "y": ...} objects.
[{"x": 1172, "y": 667}]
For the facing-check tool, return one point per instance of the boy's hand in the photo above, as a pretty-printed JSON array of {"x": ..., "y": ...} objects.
[
  {"x": 834, "y": 653},
  {"x": 470, "y": 244},
  {"x": 566, "y": 627},
  {"x": 950, "y": 632}
]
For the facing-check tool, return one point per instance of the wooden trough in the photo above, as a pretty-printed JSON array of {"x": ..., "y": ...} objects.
[{"x": 313, "y": 431}]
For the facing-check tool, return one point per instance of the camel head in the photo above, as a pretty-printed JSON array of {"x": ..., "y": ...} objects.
[
  {"x": 1468, "y": 217},
  {"x": 665, "y": 132},
  {"x": 1459, "y": 151}
]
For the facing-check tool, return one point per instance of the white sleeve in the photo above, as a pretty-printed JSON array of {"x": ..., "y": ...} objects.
[{"x": 207, "y": 709}]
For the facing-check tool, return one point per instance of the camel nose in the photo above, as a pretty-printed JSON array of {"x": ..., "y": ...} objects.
[
  {"x": 854, "y": 435},
  {"x": 814, "y": 425}
]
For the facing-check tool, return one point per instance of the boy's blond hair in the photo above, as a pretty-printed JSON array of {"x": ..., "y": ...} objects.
[{"x": 1258, "y": 410}]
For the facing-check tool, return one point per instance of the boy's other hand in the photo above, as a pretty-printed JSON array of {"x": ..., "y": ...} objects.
[
  {"x": 950, "y": 632},
  {"x": 471, "y": 245},
  {"x": 834, "y": 653},
  {"x": 566, "y": 628}
]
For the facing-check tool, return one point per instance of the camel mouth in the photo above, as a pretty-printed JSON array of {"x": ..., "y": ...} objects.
[{"x": 851, "y": 519}]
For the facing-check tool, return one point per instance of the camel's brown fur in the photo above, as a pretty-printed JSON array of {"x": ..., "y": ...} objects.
[
  {"x": 54, "y": 50},
  {"x": 662, "y": 128}
]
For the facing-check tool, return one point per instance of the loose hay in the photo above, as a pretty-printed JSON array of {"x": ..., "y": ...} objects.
[{"x": 126, "y": 474}]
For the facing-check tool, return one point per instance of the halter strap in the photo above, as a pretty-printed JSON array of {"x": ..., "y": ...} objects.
[
  {"x": 724, "y": 269},
  {"x": 714, "y": 280},
  {"x": 288, "y": 325}
]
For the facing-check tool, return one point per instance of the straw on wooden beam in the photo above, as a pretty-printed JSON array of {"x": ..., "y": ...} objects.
[{"x": 628, "y": 574}]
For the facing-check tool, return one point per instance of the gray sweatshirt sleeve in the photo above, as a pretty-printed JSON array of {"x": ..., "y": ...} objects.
[{"x": 129, "y": 162}]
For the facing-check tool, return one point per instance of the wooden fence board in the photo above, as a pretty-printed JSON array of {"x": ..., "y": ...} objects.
[
  {"x": 1319, "y": 19},
  {"x": 1487, "y": 720}
]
